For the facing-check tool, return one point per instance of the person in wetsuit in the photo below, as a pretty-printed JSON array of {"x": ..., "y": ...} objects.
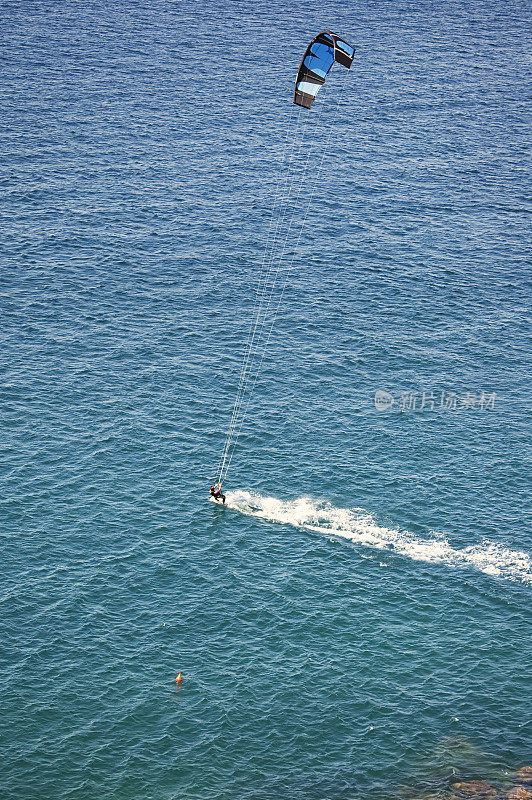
[{"x": 216, "y": 492}]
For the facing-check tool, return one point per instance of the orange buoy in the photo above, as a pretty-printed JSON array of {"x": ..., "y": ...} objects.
[{"x": 179, "y": 678}]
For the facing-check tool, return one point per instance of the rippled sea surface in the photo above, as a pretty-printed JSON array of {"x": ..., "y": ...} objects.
[{"x": 356, "y": 623}]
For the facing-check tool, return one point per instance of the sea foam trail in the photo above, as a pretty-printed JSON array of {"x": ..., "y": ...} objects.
[{"x": 359, "y": 526}]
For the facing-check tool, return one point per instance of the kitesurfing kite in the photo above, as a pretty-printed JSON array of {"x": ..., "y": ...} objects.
[
  {"x": 323, "y": 51},
  {"x": 316, "y": 64}
]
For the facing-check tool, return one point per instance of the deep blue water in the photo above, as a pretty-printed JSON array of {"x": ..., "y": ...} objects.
[{"x": 357, "y": 621}]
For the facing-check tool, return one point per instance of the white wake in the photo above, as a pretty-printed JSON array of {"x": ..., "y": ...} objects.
[{"x": 359, "y": 526}]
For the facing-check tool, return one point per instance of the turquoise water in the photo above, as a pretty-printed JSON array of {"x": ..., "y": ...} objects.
[{"x": 357, "y": 622}]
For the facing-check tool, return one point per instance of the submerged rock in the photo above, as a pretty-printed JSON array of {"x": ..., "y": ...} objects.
[
  {"x": 519, "y": 793},
  {"x": 524, "y": 774},
  {"x": 475, "y": 789}
]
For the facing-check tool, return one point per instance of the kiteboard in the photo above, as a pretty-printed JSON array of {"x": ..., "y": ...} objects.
[{"x": 217, "y": 500}]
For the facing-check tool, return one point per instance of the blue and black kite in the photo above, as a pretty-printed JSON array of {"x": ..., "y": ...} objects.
[{"x": 319, "y": 57}]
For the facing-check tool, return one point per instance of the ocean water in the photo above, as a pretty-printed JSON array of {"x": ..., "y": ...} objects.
[{"x": 356, "y": 622}]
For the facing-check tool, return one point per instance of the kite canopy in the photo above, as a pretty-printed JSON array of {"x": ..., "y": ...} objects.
[{"x": 319, "y": 57}]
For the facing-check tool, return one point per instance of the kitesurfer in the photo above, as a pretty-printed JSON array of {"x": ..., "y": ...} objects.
[
  {"x": 216, "y": 492},
  {"x": 325, "y": 50}
]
